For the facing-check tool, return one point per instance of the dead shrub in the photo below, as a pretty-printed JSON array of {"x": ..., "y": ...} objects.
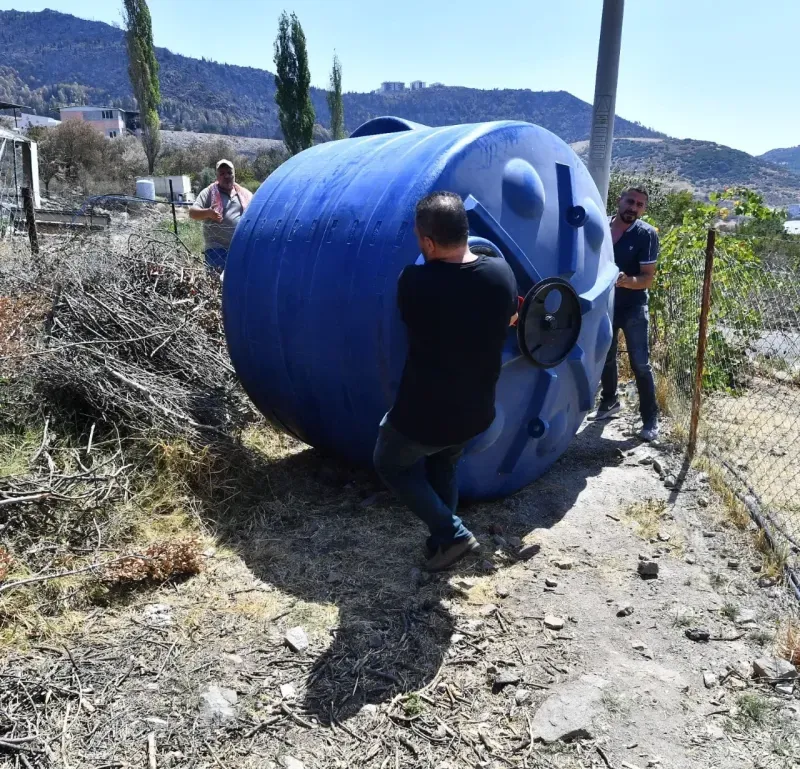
[
  {"x": 160, "y": 561},
  {"x": 6, "y": 564}
]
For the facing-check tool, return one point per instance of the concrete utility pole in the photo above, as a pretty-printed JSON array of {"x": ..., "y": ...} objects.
[{"x": 605, "y": 94}]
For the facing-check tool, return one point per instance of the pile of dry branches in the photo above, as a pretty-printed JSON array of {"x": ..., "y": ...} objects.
[
  {"x": 123, "y": 342},
  {"x": 139, "y": 345}
]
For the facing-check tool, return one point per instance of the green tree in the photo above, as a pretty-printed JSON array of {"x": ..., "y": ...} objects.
[
  {"x": 293, "y": 81},
  {"x": 143, "y": 72},
  {"x": 335, "y": 103}
]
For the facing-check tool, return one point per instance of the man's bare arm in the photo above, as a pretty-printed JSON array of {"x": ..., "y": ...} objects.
[
  {"x": 200, "y": 214},
  {"x": 640, "y": 282}
]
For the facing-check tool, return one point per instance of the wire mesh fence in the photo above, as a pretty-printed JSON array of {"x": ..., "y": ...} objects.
[
  {"x": 10, "y": 182},
  {"x": 749, "y": 422}
]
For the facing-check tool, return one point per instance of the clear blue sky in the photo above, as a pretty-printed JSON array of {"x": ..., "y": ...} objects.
[{"x": 701, "y": 69}]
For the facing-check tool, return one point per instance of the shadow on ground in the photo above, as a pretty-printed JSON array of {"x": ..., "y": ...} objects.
[{"x": 328, "y": 534}]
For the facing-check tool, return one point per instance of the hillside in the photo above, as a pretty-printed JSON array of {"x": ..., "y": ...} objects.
[
  {"x": 52, "y": 59},
  {"x": 706, "y": 166},
  {"x": 787, "y": 157}
]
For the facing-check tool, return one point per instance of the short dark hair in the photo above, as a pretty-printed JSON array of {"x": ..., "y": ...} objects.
[
  {"x": 640, "y": 190},
  {"x": 441, "y": 217}
]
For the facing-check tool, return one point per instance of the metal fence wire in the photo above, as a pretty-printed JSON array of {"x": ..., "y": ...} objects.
[{"x": 749, "y": 421}]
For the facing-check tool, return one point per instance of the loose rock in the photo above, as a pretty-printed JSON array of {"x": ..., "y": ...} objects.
[
  {"x": 646, "y": 460},
  {"x": 290, "y": 762},
  {"x": 709, "y": 680},
  {"x": 488, "y": 567},
  {"x": 553, "y": 623},
  {"x": 217, "y": 706},
  {"x": 550, "y": 582},
  {"x": 785, "y": 688},
  {"x": 733, "y": 563},
  {"x": 569, "y": 712},
  {"x": 745, "y": 617},
  {"x": 500, "y": 541},
  {"x": 670, "y": 481},
  {"x": 288, "y": 692},
  {"x": 663, "y": 536},
  {"x": 521, "y": 696},
  {"x": 496, "y": 528},
  {"x": 774, "y": 668},
  {"x": 515, "y": 542},
  {"x": 658, "y": 467},
  {"x": 502, "y": 591},
  {"x": 297, "y": 640},
  {"x": 648, "y": 569},
  {"x": 699, "y": 635},
  {"x": 703, "y": 502},
  {"x": 528, "y": 552},
  {"x": 565, "y": 564},
  {"x": 506, "y": 677},
  {"x": 157, "y": 615},
  {"x": 624, "y": 609}
]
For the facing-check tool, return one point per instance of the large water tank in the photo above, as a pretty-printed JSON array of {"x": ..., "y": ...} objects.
[
  {"x": 309, "y": 297},
  {"x": 145, "y": 188}
]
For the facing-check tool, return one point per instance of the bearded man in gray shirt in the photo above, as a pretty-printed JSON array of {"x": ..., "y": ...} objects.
[{"x": 220, "y": 206}]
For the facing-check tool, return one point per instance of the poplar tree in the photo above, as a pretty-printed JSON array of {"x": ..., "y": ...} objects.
[
  {"x": 335, "y": 103},
  {"x": 293, "y": 83},
  {"x": 143, "y": 72}
]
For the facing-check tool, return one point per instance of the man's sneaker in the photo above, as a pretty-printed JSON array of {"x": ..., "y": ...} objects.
[
  {"x": 447, "y": 555},
  {"x": 648, "y": 434},
  {"x": 606, "y": 411}
]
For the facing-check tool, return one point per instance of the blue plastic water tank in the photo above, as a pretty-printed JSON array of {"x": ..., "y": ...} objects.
[{"x": 309, "y": 297}]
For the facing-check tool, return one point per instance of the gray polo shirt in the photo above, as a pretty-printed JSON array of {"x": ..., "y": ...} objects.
[{"x": 220, "y": 235}]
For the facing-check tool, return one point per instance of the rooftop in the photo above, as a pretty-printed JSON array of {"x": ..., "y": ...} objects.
[{"x": 92, "y": 106}]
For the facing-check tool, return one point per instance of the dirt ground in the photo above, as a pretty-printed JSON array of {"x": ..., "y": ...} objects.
[{"x": 405, "y": 670}]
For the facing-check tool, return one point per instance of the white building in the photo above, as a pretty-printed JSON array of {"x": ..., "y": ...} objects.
[
  {"x": 392, "y": 86},
  {"x": 417, "y": 85},
  {"x": 26, "y": 121},
  {"x": 110, "y": 121}
]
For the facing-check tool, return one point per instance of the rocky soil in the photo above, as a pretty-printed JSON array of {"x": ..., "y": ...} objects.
[{"x": 612, "y": 619}]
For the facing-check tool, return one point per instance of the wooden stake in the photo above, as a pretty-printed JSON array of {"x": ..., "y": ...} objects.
[{"x": 702, "y": 338}]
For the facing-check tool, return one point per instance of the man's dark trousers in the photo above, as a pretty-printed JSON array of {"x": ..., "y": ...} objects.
[{"x": 634, "y": 323}]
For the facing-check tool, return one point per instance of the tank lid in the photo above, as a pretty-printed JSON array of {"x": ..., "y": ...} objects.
[{"x": 385, "y": 125}]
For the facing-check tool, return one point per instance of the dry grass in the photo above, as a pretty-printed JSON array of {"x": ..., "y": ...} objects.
[
  {"x": 775, "y": 559},
  {"x": 648, "y": 516},
  {"x": 759, "y": 429},
  {"x": 719, "y": 482},
  {"x": 788, "y": 641}
]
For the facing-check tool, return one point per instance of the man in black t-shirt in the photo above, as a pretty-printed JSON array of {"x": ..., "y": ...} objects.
[
  {"x": 635, "y": 253},
  {"x": 457, "y": 308}
]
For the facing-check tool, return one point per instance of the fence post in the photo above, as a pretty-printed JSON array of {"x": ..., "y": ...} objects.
[
  {"x": 30, "y": 218},
  {"x": 172, "y": 203},
  {"x": 702, "y": 337}
]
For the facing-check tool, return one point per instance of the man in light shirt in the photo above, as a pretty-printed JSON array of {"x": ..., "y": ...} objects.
[{"x": 220, "y": 206}]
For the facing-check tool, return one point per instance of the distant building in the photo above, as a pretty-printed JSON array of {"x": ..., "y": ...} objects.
[
  {"x": 110, "y": 121},
  {"x": 390, "y": 86},
  {"x": 417, "y": 85},
  {"x": 27, "y": 121}
]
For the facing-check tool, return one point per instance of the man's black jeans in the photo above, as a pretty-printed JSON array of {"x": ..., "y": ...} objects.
[{"x": 634, "y": 322}]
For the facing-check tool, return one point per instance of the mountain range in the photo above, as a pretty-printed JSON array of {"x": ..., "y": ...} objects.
[{"x": 50, "y": 59}]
